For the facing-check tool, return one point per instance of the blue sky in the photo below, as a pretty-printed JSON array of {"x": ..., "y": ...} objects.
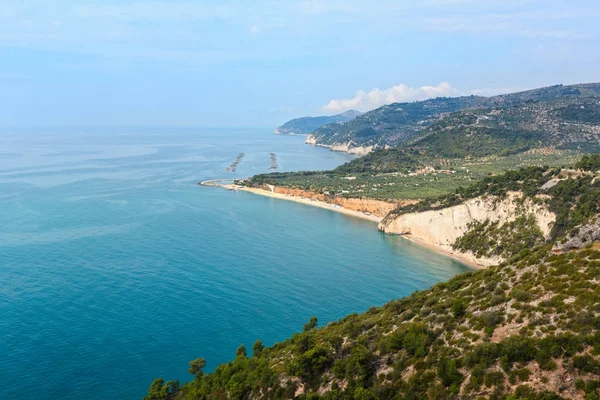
[{"x": 260, "y": 63}]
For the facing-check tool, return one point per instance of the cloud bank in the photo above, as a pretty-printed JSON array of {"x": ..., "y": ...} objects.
[{"x": 365, "y": 101}]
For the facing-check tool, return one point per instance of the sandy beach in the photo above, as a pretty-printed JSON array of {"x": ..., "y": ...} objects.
[
  {"x": 463, "y": 259},
  {"x": 310, "y": 202}
]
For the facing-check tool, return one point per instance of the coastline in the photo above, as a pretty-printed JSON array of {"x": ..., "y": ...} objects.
[
  {"x": 463, "y": 259},
  {"x": 310, "y": 202}
]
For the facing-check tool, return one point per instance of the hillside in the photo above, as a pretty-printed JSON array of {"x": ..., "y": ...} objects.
[
  {"x": 461, "y": 147},
  {"x": 563, "y": 123},
  {"x": 389, "y": 125},
  {"x": 528, "y": 328},
  {"x": 305, "y": 125},
  {"x": 397, "y": 123}
]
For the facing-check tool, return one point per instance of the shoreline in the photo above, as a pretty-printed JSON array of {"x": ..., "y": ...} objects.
[
  {"x": 457, "y": 257},
  {"x": 334, "y": 207},
  {"x": 310, "y": 202}
]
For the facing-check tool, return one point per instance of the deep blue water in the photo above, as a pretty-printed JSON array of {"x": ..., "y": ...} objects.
[{"x": 116, "y": 268}]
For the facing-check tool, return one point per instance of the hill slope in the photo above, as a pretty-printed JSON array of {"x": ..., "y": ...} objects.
[
  {"x": 397, "y": 123},
  {"x": 460, "y": 147},
  {"x": 526, "y": 329},
  {"x": 305, "y": 125}
]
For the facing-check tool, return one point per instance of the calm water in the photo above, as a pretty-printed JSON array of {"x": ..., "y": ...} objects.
[{"x": 115, "y": 268}]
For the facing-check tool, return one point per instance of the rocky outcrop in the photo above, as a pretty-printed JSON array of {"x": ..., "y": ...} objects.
[
  {"x": 289, "y": 132},
  {"x": 442, "y": 227},
  {"x": 310, "y": 139},
  {"x": 584, "y": 236},
  {"x": 349, "y": 147},
  {"x": 376, "y": 207}
]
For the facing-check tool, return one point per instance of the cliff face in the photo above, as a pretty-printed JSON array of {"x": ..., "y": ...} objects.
[
  {"x": 441, "y": 228},
  {"x": 375, "y": 207},
  {"x": 584, "y": 235},
  {"x": 349, "y": 147}
]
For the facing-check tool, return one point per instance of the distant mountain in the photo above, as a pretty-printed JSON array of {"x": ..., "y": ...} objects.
[
  {"x": 542, "y": 128},
  {"x": 397, "y": 123},
  {"x": 305, "y": 125}
]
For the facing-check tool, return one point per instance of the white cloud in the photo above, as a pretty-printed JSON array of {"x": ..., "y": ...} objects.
[{"x": 365, "y": 101}]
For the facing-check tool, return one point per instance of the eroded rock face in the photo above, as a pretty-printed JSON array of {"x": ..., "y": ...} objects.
[
  {"x": 310, "y": 139},
  {"x": 348, "y": 147},
  {"x": 376, "y": 207},
  {"x": 586, "y": 235},
  {"x": 441, "y": 228}
]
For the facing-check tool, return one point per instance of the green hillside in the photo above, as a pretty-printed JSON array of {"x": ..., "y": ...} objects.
[
  {"x": 394, "y": 124},
  {"x": 545, "y": 127}
]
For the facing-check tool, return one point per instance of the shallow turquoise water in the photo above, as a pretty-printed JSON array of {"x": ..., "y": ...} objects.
[{"x": 115, "y": 268}]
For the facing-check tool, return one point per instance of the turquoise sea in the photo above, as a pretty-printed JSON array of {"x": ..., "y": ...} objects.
[{"x": 116, "y": 268}]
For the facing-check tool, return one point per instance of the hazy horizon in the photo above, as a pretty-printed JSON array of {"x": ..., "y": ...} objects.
[{"x": 186, "y": 63}]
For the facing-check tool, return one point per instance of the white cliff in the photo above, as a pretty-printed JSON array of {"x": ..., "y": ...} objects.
[
  {"x": 348, "y": 147},
  {"x": 440, "y": 228}
]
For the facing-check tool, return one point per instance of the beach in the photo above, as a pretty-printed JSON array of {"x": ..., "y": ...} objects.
[
  {"x": 302, "y": 200},
  {"x": 464, "y": 259}
]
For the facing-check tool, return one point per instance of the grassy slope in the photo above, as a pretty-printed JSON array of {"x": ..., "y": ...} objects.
[
  {"x": 405, "y": 185},
  {"x": 529, "y": 329}
]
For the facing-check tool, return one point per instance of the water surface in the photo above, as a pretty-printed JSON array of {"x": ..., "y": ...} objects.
[{"x": 116, "y": 268}]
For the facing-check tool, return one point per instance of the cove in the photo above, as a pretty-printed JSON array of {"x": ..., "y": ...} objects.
[{"x": 116, "y": 268}]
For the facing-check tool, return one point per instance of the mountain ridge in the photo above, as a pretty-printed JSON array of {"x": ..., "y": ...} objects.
[
  {"x": 305, "y": 125},
  {"x": 394, "y": 124}
]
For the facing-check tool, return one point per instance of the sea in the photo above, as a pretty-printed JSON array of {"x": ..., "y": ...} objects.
[{"x": 117, "y": 268}]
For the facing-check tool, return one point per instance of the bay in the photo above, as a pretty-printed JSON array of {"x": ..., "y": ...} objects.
[{"x": 116, "y": 268}]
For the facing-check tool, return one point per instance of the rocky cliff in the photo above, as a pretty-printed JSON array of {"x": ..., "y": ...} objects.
[
  {"x": 348, "y": 147},
  {"x": 441, "y": 228},
  {"x": 375, "y": 207}
]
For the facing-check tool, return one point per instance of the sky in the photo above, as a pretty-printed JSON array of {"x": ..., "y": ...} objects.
[{"x": 260, "y": 63}]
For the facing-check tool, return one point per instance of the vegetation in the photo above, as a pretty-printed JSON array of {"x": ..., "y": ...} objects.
[
  {"x": 481, "y": 334},
  {"x": 371, "y": 177},
  {"x": 440, "y": 144},
  {"x": 525, "y": 114},
  {"x": 526, "y": 329},
  {"x": 588, "y": 112},
  {"x": 589, "y": 163},
  {"x": 305, "y": 125},
  {"x": 487, "y": 239}
]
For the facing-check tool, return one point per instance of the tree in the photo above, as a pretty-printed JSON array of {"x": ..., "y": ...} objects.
[
  {"x": 312, "y": 324},
  {"x": 161, "y": 390},
  {"x": 241, "y": 351},
  {"x": 196, "y": 367},
  {"x": 459, "y": 309},
  {"x": 363, "y": 394},
  {"x": 257, "y": 348}
]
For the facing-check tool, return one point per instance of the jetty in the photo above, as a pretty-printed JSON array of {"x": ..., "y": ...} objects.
[
  {"x": 274, "y": 164},
  {"x": 235, "y": 163}
]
